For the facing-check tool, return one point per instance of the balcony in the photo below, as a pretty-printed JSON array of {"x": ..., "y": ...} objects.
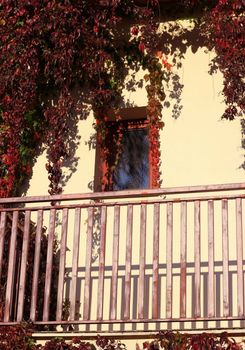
[{"x": 127, "y": 260}]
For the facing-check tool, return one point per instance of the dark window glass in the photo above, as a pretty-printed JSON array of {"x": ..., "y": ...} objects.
[{"x": 132, "y": 170}]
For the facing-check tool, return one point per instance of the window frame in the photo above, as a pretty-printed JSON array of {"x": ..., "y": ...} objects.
[{"x": 134, "y": 118}]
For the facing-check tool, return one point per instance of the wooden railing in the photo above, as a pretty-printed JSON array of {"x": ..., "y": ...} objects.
[{"x": 166, "y": 255}]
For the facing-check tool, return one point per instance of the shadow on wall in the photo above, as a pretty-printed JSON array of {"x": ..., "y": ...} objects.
[{"x": 146, "y": 326}]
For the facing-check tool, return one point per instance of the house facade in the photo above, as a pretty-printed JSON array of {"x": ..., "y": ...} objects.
[{"x": 137, "y": 259}]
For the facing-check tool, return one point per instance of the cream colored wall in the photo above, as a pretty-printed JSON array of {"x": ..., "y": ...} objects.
[{"x": 199, "y": 147}]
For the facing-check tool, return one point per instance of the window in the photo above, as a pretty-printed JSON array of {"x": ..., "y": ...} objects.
[
  {"x": 123, "y": 161},
  {"x": 132, "y": 169}
]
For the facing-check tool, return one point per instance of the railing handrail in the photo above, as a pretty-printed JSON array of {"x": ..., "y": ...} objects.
[
  {"x": 125, "y": 203},
  {"x": 126, "y": 193}
]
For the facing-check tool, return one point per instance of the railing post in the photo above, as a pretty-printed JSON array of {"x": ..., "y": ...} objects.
[
  {"x": 100, "y": 299},
  {"x": 75, "y": 257},
  {"x": 210, "y": 258},
  {"x": 155, "y": 285},
  {"x": 2, "y": 236},
  {"x": 24, "y": 257},
  {"x": 115, "y": 254},
  {"x": 11, "y": 268},
  {"x": 141, "y": 294},
  {"x": 225, "y": 250},
  {"x": 128, "y": 262},
  {"x": 61, "y": 278},
  {"x": 169, "y": 253},
  {"x": 49, "y": 265},
  {"x": 239, "y": 246},
  {"x": 197, "y": 229},
  {"x": 87, "y": 286},
  {"x": 183, "y": 222},
  {"x": 36, "y": 266}
]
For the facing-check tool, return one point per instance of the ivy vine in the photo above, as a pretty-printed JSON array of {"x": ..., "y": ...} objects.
[
  {"x": 51, "y": 48},
  {"x": 20, "y": 337}
]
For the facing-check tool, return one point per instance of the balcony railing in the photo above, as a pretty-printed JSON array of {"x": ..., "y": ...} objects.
[{"x": 131, "y": 257}]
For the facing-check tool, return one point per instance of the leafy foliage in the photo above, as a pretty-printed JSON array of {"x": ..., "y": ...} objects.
[
  {"x": 47, "y": 49},
  {"x": 53, "y": 48},
  {"x": 226, "y": 33},
  {"x": 169, "y": 340},
  {"x": 19, "y": 337},
  {"x": 16, "y": 338}
]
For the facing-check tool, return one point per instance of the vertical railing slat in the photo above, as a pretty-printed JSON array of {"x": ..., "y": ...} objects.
[
  {"x": 62, "y": 262},
  {"x": 239, "y": 246},
  {"x": 210, "y": 258},
  {"x": 141, "y": 294},
  {"x": 225, "y": 250},
  {"x": 169, "y": 253},
  {"x": 100, "y": 297},
  {"x": 197, "y": 231},
  {"x": 88, "y": 264},
  {"x": 183, "y": 228},
  {"x": 49, "y": 265},
  {"x": 11, "y": 268},
  {"x": 75, "y": 258},
  {"x": 24, "y": 257},
  {"x": 36, "y": 265},
  {"x": 115, "y": 253},
  {"x": 2, "y": 236},
  {"x": 128, "y": 262},
  {"x": 155, "y": 285}
]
